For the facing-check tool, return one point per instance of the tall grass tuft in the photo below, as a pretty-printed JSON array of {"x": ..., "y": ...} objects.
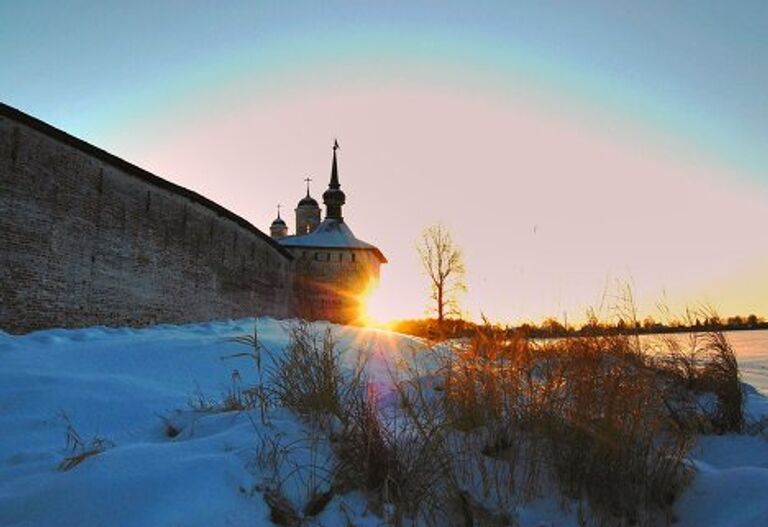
[
  {"x": 611, "y": 439},
  {"x": 721, "y": 376},
  {"x": 398, "y": 455},
  {"x": 309, "y": 376},
  {"x": 588, "y": 414},
  {"x": 701, "y": 366}
]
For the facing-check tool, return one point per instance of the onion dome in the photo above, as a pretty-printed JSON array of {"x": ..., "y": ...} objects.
[{"x": 308, "y": 201}]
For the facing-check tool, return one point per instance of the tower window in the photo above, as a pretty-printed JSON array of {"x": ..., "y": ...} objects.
[{"x": 353, "y": 256}]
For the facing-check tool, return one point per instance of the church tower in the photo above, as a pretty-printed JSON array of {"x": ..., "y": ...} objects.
[
  {"x": 334, "y": 197},
  {"x": 278, "y": 229},
  {"x": 307, "y": 213},
  {"x": 334, "y": 270}
]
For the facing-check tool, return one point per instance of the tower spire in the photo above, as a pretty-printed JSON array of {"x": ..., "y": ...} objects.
[
  {"x": 334, "y": 168},
  {"x": 334, "y": 197},
  {"x": 307, "y": 179}
]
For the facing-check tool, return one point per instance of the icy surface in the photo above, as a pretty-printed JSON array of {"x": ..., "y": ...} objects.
[
  {"x": 751, "y": 349},
  {"x": 126, "y": 386}
]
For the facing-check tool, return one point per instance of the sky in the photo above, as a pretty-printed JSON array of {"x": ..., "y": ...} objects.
[{"x": 568, "y": 149}]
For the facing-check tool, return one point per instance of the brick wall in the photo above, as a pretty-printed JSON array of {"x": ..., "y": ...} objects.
[{"x": 86, "y": 238}]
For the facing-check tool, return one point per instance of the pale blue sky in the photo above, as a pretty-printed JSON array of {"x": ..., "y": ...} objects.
[{"x": 77, "y": 63}]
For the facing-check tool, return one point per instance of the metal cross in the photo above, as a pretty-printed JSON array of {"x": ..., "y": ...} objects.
[
  {"x": 278, "y": 210},
  {"x": 308, "y": 179}
]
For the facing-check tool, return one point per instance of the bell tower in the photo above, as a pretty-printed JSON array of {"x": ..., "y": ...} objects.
[
  {"x": 307, "y": 213},
  {"x": 278, "y": 229}
]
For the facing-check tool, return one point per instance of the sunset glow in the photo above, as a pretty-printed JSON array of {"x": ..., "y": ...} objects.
[{"x": 562, "y": 150}]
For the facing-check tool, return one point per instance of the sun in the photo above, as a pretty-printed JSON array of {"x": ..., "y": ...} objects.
[{"x": 372, "y": 308}]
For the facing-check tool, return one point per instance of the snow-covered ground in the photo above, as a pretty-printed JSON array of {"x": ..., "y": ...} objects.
[{"x": 127, "y": 386}]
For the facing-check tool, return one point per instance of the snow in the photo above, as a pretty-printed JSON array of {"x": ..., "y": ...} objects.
[
  {"x": 127, "y": 385},
  {"x": 117, "y": 384},
  {"x": 330, "y": 233}
]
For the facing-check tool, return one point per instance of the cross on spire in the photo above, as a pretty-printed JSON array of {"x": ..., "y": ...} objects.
[
  {"x": 335, "y": 144},
  {"x": 308, "y": 179},
  {"x": 278, "y": 210}
]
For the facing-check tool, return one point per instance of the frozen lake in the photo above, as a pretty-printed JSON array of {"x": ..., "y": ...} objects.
[{"x": 751, "y": 349}]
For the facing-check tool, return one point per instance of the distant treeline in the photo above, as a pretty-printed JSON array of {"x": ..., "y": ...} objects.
[{"x": 553, "y": 328}]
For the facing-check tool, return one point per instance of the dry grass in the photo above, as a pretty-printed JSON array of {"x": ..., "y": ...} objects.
[
  {"x": 309, "y": 377},
  {"x": 70, "y": 462},
  {"x": 611, "y": 439},
  {"x": 701, "y": 366},
  {"x": 405, "y": 468},
  {"x": 589, "y": 414},
  {"x": 720, "y": 375},
  {"x": 501, "y": 420},
  {"x": 282, "y": 460},
  {"x": 80, "y": 450}
]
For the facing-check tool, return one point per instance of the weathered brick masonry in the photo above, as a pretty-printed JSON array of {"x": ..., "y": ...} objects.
[{"x": 87, "y": 238}]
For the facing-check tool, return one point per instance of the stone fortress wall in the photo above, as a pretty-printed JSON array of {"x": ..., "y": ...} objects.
[{"x": 87, "y": 238}]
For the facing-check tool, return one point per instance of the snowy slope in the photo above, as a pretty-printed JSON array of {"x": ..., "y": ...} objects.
[
  {"x": 115, "y": 383},
  {"x": 126, "y": 385}
]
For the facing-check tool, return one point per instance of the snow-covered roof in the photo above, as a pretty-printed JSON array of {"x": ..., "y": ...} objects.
[{"x": 330, "y": 234}]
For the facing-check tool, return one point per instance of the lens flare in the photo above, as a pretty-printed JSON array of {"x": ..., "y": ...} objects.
[{"x": 372, "y": 309}]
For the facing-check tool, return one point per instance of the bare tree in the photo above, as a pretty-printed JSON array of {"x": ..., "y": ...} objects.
[{"x": 444, "y": 265}]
